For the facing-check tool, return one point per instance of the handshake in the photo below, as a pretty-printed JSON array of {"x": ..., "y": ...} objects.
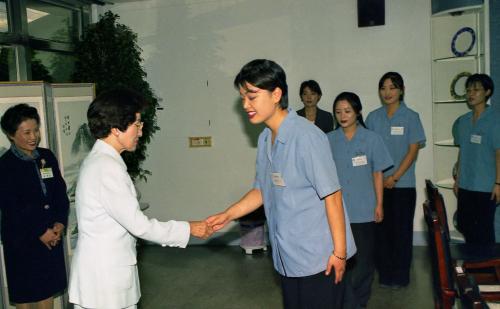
[{"x": 204, "y": 229}]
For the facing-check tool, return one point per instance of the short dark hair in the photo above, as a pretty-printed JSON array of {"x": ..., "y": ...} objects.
[
  {"x": 264, "y": 74},
  {"x": 397, "y": 81},
  {"x": 114, "y": 109},
  {"x": 312, "y": 85},
  {"x": 482, "y": 79},
  {"x": 16, "y": 114},
  {"x": 355, "y": 103}
]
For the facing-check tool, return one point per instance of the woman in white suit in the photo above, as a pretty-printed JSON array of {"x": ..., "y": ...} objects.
[{"x": 104, "y": 266}]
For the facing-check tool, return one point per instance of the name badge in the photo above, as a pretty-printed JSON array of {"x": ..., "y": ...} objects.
[
  {"x": 397, "y": 130},
  {"x": 46, "y": 172},
  {"x": 476, "y": 139},
  {"x": 359, "y": 161},
  {"x": 277, "y": 179}
]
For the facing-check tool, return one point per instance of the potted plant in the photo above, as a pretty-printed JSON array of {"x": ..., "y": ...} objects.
[{"x": 108, "y": 55}]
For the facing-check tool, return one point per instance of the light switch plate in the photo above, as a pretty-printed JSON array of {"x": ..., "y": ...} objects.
[{"x": 200, "y": 141}]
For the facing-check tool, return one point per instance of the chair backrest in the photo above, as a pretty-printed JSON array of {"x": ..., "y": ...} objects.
[
  {"x": 444, "y": 290},
  {"x": 436, "y": 203}
]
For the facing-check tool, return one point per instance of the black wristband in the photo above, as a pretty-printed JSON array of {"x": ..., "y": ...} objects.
[{"x": 497, "y": 183}]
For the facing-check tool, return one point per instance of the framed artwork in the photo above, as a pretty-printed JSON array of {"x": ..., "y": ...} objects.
[{"x": 74, "y": 142}]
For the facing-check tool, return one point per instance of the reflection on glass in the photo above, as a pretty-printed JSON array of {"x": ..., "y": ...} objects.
[
  {"x": 50, "y": 22},
  {"x": 52, "y": 66},
  {"x": 8, "y": 70},
  {"x": 4, "y": 23}
]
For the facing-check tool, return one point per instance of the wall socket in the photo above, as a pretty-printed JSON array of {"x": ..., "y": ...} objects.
[{"x": 200, "y": 141}]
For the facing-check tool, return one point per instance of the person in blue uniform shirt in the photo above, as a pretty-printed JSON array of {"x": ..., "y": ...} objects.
[
  {"x": 403, "y": 134},
  {"x": 296, "y": 181},
  {"x": 477, "y": 133},
  {"x": 360, "y": 156},
  {"x": 34, "y": 209},
  {"x": 310, "y": 94}
]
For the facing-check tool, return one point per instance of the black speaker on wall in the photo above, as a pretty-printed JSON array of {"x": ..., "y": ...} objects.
[{"x": 371, "y": 13}]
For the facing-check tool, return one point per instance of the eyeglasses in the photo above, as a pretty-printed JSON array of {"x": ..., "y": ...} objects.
[{"x": 139, "y": 124}]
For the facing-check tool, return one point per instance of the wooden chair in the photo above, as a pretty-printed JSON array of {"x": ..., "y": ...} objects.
[
  {"x": 456, "y": 265},
  {"x": 443, "y": 281},
  {"x": 436, "y": 203},
  {"x": 450, "y": 281}
]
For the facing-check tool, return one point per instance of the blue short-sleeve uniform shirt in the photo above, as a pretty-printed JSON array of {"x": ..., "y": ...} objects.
[
  {"x": 294, "y": 175},
  {"x": 398, "y": 133},
  {"x": 478, "y": 144},
  {"x": 356, "y": 161}
]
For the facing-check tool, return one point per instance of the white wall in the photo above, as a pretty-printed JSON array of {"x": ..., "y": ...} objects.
[{"x": 192, "y": 50}]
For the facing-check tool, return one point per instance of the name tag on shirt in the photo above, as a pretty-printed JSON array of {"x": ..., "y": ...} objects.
[
  {"x": 359, "y": 161},
  {"x": 277, "y": 179},
  {"x": 46, "y": 172},
  {"x": 475, "y": 139},
  {"x": 397, "y": 130}
]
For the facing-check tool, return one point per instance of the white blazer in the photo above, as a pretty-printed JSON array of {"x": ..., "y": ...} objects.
[{"x": 104, "y": 266}]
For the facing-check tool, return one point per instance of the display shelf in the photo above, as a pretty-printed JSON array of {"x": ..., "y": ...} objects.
[
  {"x": 457, "y": 35},
  {"x": 446, "y": 142},
  {"x": 454, "y": 58},
  {"x": 444, "y": 115},
  {"x": 450, "y": 101},
  {"x": 449, "y": 78},
  {"x": 456, "y": 237},
  {"x": 445, "y": 183},
  {"x": 457, "y": 52}
]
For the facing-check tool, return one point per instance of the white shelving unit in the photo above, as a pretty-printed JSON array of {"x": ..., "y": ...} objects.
[{"x": 457, "y": 51}]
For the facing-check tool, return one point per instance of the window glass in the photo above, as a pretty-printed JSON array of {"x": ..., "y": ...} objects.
[
  {"x": 4, "y": 22},
  {"x": 52, "y": 66},
  {"x": 8, "y": 69},
  {"x": 50, "y": 22}
]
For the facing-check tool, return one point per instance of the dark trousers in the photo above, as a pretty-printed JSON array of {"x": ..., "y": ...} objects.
[
  {"x": 475, "y": 216},
  {"x": 395, "y": 237},
  {"x": 312, "y": 292},
  {"x": 361, "y": 267}
]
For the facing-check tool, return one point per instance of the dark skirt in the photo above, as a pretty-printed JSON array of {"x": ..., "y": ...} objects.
[{"x": 34, "y": 272}]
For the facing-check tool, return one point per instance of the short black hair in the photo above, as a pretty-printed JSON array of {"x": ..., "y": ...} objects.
[
  {"x": 16, "y": 114},
  {"x": 482, "y": 79},
  {"x": 397, "y": 81},
  {"x": 264, "y": 74},
  {"x": 312, "y": 85},
  {"x": 114, "y": 109}
]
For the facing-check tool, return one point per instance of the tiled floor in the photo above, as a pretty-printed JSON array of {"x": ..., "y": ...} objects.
[{"x": 224, "y": 277}]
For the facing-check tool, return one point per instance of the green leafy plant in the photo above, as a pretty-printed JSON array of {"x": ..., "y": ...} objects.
[{"x": 108, "y": 55}]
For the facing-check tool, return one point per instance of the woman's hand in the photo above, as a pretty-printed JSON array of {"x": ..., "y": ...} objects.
[
  {"x": 338, "y": 265},
  {"x": 218, "y": 221},
  {"x": 389, "y": 182},
  {"x": 49, "y": 237},
  {"x": 495, "y": 194},
  {"x": 58, "y": 229},
  {"x": 200, "y": 229},
  {"x": 379, "y": 214}
]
